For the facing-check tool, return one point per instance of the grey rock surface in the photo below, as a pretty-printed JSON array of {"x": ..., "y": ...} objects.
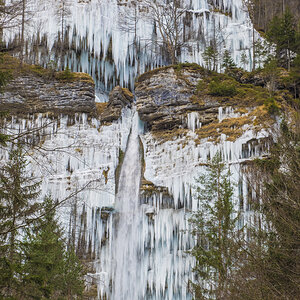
[
  {"x": 118, "y": 99},
  {"x": 29, "y": 93},
  {"x": 165, "y": 97}
]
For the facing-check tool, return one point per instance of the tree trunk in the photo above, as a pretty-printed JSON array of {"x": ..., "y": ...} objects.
[{"x": 22, "y": 32}]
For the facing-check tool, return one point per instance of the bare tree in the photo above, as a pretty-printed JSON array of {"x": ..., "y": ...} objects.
[
  {"x": 62, "y": 12},
  {"x": 167, "y": 17},
  {"x": 14, "y": 14},
  {"x": 10, "y": 14}
]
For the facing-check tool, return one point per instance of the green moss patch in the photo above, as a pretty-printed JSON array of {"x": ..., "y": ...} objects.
[{"x": 13, "y": 66}]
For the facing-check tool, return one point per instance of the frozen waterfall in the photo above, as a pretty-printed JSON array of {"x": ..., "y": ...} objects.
[
  {"x": 126, "y": 244},
  {"x": 145, "y": 254}
]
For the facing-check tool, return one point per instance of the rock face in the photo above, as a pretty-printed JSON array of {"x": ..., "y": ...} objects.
[
  {"x": 118, "y": 99},
  {"x": 30, "y": 93},
  {"x": 165, "y": 97}
]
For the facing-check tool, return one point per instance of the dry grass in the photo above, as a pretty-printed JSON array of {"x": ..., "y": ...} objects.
[
  {"x": 232, "y": 128},
  {"x": 127, "y": 93},
  {"x": 168, "y": 135},
  {"x": 262, "y": 118},
  {"x": 100, "y": 107},
  {"x": 83, "y": 77}
]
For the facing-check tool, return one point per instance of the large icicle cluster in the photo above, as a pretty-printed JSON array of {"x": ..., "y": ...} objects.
[{"x": 103, "y": 42}]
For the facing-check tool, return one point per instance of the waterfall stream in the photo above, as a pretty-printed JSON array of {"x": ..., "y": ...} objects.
[
  {"x": 126, "y": 241},
  {"x": 145, "y": 253}
]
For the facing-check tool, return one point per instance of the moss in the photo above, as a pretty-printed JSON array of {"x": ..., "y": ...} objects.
[
  {"x": 197, "y": 100},
  {"x": 228, "y": 91},
  {"x": 83, "y": 77},
  {"x": 149, "y": 74},
  {"x": 201, "y": 85},
  {"x": 68, "y": 76},
  {"x": 193, "y": 67},
  {"x": 12, "y": 65}
]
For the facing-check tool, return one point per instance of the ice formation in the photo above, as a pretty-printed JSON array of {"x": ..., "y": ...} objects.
[
  {"x": 115, "y": 40},
  {"x": 137, "y": 250}
]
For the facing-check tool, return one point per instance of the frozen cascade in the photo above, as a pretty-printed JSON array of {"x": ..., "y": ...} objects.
[
  {"x": 126, "y": 244},
  {"x": 145, "y": 256}
]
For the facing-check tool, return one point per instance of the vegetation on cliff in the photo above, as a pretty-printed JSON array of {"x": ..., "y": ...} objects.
[
  {"x": 265, "y": 252},
  {"x": 35, "y": 260}
]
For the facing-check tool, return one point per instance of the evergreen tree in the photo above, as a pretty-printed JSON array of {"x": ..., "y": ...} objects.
[
  {"x": 270, "y": 266},
  {"x": 17, "y": 194},
  {"x": 262, "y": 52},
  {"x": 210, "y": 57},
  {"x": 49, "y": 271},
  {"x": 283, "y": 33},
  {"x": 214, "y": 227},
  {"x": 73, "y": 273},
  {"x": 293, "y": 80},
  {"x": 228, "y": 62},
  {"x": 244, "y": 60}
]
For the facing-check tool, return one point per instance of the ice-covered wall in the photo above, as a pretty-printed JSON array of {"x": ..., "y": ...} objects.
[
  {"x": 114, "y": 41},
  {"x": 72, "y": 153},
  {"x": 138, "y": 249}
]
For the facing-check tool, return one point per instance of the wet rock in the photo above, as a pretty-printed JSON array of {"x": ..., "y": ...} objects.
[
  {"x": 106, "y": 212},
  {"x": 118, "y": 99}
]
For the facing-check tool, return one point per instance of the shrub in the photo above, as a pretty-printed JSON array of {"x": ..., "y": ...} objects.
[
  {"x": 222, "y": 88},
  {"x": 272, "y": 105}
]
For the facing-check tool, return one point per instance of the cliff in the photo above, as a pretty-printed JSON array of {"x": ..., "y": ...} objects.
[
  {"x": 178, "y": 99},
  {"x": 34, "y": 89},
  {"x": 187, "y": 114}
]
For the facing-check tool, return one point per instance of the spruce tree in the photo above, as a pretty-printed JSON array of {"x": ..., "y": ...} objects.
[
  {"x": 283, "y": 33},
  {"x": 244, "y": 60},
  {"x": 210, "y": 57},
  {"x": 228, "y": 63},
  {"x": 214, "y": 227},
  {"x": 18, "y": 193},
  {"x": 49, "y": 271},
  {"x": 73, "y": 275}
]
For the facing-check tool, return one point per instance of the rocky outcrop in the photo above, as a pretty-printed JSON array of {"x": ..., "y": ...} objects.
[
  {"x": 30, "y": 93},
  {"x": 165, "y": 96},
  {"x": 118, "y": 99}
]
